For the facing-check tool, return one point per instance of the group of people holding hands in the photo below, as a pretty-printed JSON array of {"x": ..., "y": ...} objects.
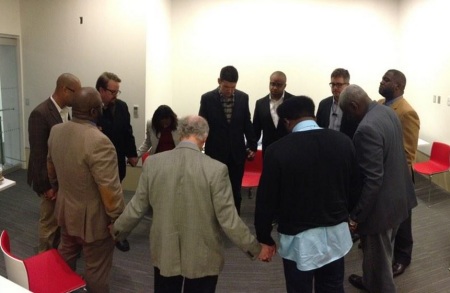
[{"x": 327, "y": 176}]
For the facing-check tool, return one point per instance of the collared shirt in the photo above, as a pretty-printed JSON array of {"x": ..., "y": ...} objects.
[
  {"x": 273, "y": 108},
  {"x": 316, "y": 247},
  {"x": 389, "y": 103},
  {"x": 64, "y": 112},
  {"x": 227, "y": 104},
  {"x": 335, "y": 116}
]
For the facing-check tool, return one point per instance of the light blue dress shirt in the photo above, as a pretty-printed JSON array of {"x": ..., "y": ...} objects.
[{"x": 314, "y": 248}]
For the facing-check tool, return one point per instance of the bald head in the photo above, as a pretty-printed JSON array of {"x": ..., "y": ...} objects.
[
  {"x": 354, "y": 101},
  {"x": 66, "y": 85},
  {"x": 87, "y": 104}
]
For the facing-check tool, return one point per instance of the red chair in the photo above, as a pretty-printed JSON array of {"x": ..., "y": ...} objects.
[
  {"x": 252, "y": 172},
  {"x": 46, "y": 272},
  {"x": 439, "y": 162}
]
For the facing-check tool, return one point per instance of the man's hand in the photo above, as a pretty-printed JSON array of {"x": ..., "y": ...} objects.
[
  {"x": 50, "y": 194},
  {"x": 352, "y": 225},
  {"x": 133, "y": 161},
  {"x": 267, "y": 252},
  {"x": 250, "y": 154}
]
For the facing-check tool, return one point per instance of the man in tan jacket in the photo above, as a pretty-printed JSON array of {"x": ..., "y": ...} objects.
[
  {"x": 392, "y": 87},
  {"x": 192, "y": 201},
  {"x": 82, "y": 168}
]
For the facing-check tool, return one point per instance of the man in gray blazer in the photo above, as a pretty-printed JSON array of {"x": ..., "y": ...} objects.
[
  {"x": 50, "y": 112},
  {"x": 82, "y": 169},
  {"x": 387, "y": 187},
  {"x": 192, "y": 202}
]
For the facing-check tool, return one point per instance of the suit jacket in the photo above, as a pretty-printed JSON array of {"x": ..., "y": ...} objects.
[
  {"x": 410, "y": 125},
  {"x": 387, "y": 192},
  {"x": 225, "y": 139},
  {"x": 117, "y": 127},
  {"x": 151, "y": 140},
  {"x": 262, "y": 121},
  {"x": 41, "y": 120},
  {"x": 82, "y": 166},
  {"x": 192, "y": 202},
  {"x": 348, "y": 126}
]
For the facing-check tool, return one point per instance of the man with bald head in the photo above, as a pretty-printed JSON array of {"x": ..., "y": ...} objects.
[
  {"x": 265, "y": 118},
  {"x": 52, "y": 111},
  {"x": 89, "y": 192},
  {"x": 387, "y": 187},
  {"x": 192, "y": 202}
]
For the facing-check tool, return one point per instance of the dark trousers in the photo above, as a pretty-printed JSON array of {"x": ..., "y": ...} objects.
[
  {"x": 236, "y": 172},
  {"x": 403, "y": 244},
  {"x": 175, "y": 284},
  {"x": 327, "y": 279}
]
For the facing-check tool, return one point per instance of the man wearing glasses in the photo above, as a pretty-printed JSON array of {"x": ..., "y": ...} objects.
[
  {"x": 329, "y": 115},
  {"x": 115, "y": 122}
]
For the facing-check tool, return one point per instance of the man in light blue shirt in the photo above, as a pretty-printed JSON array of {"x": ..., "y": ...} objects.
[{"x": 309, "y": 182}]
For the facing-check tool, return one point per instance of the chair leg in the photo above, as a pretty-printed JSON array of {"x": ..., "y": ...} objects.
[
  {"x": 429, "y": 189},
  {"x": 250, "y": 193}
]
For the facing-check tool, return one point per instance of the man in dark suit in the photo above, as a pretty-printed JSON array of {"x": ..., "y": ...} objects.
[
  {"x": 387, "y": 187},
  {"x": 392, "y": 87},
  {"x": 115, "y": 122},
  {"x": 228, "y": 115},
  {"x": 302, "y": 172},
  {"x": 329, "y": 115},
  {"x": 52, "y": 111},
  {"x": 265, "y": 117}
]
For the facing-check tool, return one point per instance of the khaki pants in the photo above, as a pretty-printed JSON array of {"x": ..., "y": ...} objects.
[
  {"x": 98, "y": 256},
  {"x": 48, "y": 227}
]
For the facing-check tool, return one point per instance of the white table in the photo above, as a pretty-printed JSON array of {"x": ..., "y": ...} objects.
[
  {"x": 6, "y": 183},
  {"x": 11, "y": 287}
]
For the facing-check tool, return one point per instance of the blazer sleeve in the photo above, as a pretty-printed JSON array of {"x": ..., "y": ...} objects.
[
  {"x": 249, "y": 132},
  {"x": 38, "y": 133},
  {"x": 147, "y": 143},
  {"x": 369, "y": 151},
  {"x": 130, "y": 143},
  {"x": 411, "y": 125},
  {"x": 257, "y": 127}
]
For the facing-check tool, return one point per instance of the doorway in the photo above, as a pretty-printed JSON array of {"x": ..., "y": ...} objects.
[{"x": 10, "y": 114}]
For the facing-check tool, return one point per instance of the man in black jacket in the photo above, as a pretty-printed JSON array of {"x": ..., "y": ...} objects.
[
  {"x": 115, "y": 122},
  {"x": 265, "y": 119},
  {"x": 228, "y": 115},
  {"x": 309, "y": 183}
]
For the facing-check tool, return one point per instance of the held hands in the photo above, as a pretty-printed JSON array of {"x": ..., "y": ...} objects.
[
  {"x": 353, "y": 226},
  {"x": 50, "y": 194},
  {"x": 267, "y": 252},
  {"x": 250, "y": 155},
  {"x": 133, "y": 161}
]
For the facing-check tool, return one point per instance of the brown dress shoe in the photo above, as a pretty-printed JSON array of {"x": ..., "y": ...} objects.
[
  {"x": 357, "y": 282},
  {"x": 398, "y": 269}
]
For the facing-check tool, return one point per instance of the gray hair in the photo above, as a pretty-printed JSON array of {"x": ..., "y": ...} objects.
[
  {"x": 352, "y": 93},
  {"x": 193, "y": 125}
]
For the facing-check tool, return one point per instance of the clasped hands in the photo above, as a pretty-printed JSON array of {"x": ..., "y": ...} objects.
[{"x": 267, "y": 252}]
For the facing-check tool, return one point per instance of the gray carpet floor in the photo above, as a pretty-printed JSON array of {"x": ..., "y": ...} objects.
[{"x": 133, "y": 272}]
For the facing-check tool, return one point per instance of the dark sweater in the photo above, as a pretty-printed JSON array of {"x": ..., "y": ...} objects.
[{"x": 310, "y": 179}]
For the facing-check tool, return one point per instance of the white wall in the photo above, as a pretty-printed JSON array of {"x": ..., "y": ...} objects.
[
  {"x": 111, "y": 38},
  {"x": 306, "y": 39},
  {"x": 425, "y": 57},
  {"x": 10, "y": 17}
]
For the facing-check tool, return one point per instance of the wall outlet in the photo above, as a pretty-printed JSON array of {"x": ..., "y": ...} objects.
[
  {"x": 136, "y": 111},
  {"x": 439, "y": 99},
  {"x": 434, "y": 98},
  {"x": 448, "y": 101}
]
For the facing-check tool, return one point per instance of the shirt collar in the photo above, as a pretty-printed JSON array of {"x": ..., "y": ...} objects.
[
  {"x": 388, "y": 103},
  {"x": 305, "y": 126}
]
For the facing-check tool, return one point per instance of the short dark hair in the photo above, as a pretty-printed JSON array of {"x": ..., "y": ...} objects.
[
  {"x": 229, "y": 73},
  {"x": 162, "y": 112},
  {"x": 341, "y": 72},
  {"x": 399, "y": 78},
  {"x": 102, "y": 81},
  {"x": 296, "y": 107}
]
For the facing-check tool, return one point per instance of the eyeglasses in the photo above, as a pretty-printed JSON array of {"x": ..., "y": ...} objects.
[
  {"x": 70, "y": 89},
  {"x": 337, "y": 84},
  {"x": 276, "y": 84},
  {"x": 114, "y": 93}
]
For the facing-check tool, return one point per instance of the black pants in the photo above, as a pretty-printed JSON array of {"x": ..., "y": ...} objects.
[
  {"x": 175, "y": 284},
  {"x": 403, "y": 244},
  {"x": 236, "y": 172}
]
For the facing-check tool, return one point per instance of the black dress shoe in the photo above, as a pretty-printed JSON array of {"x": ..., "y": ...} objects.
[
  {"x": 398, "y": 269},
  {"x": 123, "y": 245},
  {"x": 357, "y": 282}
]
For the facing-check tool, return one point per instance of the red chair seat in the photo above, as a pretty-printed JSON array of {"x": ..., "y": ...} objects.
[{"x": 252, "y": 172}]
